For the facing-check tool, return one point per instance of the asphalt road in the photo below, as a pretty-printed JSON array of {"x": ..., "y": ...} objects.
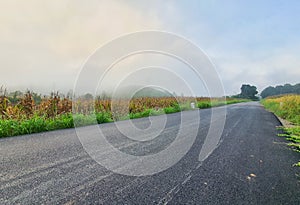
[{"x": 251, "y": 165}]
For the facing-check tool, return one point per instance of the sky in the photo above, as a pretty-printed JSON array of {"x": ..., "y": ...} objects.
[{"x": 45, "y": 44}]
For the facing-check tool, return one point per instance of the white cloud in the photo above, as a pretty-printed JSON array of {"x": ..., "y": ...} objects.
[
  {"x": 45, "y": 43},
  {"x": 277, "y": 67}
]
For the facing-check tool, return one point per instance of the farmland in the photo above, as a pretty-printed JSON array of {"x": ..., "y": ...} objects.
[
  {"x": 31, "y": 113},
  {"x": 287, "y": 107}
]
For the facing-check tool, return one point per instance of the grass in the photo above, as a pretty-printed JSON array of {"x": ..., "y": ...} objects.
[
  {"x": 216, "y": 103},
  {"x": 12, "y": 127},
  {"x": 25, "y": 115},
  {"x": 287, "y": 107}
]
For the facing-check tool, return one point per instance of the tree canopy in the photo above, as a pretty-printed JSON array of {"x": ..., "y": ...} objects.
[
  {"x": 248, "y": 92},
  {"x": 281, "y": 89}
]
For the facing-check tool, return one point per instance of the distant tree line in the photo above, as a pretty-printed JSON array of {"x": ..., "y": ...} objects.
[{"x": 281, "y": 89}]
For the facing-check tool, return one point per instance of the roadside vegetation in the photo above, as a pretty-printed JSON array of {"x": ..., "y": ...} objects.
[
  {"x": 31, "y": 113},
  {"x": 288, "y": 108}
]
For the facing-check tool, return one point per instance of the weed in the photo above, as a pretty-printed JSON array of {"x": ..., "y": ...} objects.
[
  {"x": 287, "y": 107},
  {"x": 31, "y": 113}
]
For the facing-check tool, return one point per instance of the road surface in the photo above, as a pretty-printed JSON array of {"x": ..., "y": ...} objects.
[{"x": 251, "y": 166}]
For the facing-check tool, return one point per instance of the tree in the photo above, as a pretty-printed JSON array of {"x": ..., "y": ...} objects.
[
  {"x": 88, "y": 96},
  {"x": 269, "y": 91},
  {"x": 249, "y": 92},
  {"x": 281, "y": 89},
  {"x": 287, "y": 88},
  {"x": 297, "y": 88}
]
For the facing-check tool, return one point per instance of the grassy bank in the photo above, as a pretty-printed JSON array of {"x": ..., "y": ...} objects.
[
  {"x": 287, "y": 107},
  {"x": 216, "y": 103},
  {"x": 55, "y": 112}
]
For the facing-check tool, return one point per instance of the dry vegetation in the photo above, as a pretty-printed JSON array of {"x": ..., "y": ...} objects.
[
  {"x": 287, "y": 107},
  {"x": 31, "y": 113}
]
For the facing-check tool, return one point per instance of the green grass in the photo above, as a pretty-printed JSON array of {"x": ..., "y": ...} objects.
[
  {"x": 145, "y": 113},
  {"x": 173, "y": 109},
  {"x": 287, "y": 107},
  {"x": 203, "y": 105},
  {"x": 104, "y": 117},
  {"x": 209, "y": 104},
  {"x": 35, "y": 124},
  {"x": 293, "y": 135},
  {"x": 228, "y": 102}
]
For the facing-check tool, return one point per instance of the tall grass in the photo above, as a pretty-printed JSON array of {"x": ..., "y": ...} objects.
[
  {"x": 31, "y": 113},
  {"x": 219, "y": 102},
  {"x": 287, "y": 107},
  {"x": 12, "y": 127}
]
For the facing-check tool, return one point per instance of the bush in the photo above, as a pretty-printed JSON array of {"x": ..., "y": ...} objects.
[{"x": 203, "y": 105}]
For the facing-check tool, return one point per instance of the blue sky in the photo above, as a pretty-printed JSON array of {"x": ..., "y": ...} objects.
[
  {"x": 248, "y": 37},
  {"x": 44, "y": 45}
]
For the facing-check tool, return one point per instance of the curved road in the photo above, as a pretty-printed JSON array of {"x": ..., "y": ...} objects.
[{"x": 250, "y": 166}]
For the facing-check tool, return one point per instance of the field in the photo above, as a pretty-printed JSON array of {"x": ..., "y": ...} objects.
[
  {"x": 31, "y": 113},
  {"x": 287, "y": 107}
]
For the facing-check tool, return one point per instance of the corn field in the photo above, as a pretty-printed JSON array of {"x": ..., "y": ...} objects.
[
  {"x": 30, "y": 112},
  {"x": 55, "y": 105}
]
